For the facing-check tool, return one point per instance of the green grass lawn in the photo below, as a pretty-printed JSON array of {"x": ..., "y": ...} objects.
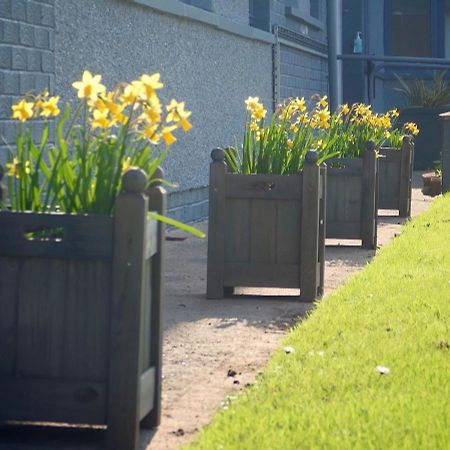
[{"x": 328, "y": 393}]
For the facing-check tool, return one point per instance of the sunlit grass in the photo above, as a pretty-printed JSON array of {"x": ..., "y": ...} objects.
[{"x": 328, "y": 393}]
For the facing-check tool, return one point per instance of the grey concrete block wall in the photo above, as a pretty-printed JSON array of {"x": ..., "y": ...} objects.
[
  {"x": 302, "y": 74},
  {"x": 213, "y": 71},
  {"x": 27, "y": 62}
]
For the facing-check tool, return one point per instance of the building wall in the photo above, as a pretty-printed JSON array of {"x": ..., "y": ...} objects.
[
  {"x": 302, "y": 56},
  {"x": 211, "y": 60},
  {"x": 27, "y": 32}
]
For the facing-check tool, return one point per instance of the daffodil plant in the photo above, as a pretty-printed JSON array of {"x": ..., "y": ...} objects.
[
  {"x": 98, "y": 140},
  {"x": 279, "y": 145}
]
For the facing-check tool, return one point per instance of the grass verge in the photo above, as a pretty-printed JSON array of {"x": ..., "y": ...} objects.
[{"x": 328, "y": 392}]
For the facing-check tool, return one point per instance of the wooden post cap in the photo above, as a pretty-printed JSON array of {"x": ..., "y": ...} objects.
[
  {"x": 312, "y": 157},
  {"x": 134, "y": 180},
  {"x": 157, "y": 176},
  {"x": 218, "y": 154},
  {"x": 407, "y": 139},
  {"x": 370, "y": 146}
]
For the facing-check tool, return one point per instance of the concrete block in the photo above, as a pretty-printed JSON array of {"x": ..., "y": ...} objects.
[
  {"x": 27, "y": 83},
  {"x": 41, "y": 38},
  {"x": 47, "y": 15},
  {"x": 18, "y": 10},
  {"x": 48, "y": 62},
  {"x": 19, "y": 58},
  {"x": 26, "y": 35},
  {"x": 9, "y": 83},
  {"x": 34, "y": 14},
  {"x": 5, "y": 106},
  {"x": 34, "y": 60},
  {"x": 8, "y": 131},
  {"x": 5, "y": 8},
  {"x": 9, "y": 32},
  {"x": 42, "y": 83},
  {"x": 5, "y": 57}
]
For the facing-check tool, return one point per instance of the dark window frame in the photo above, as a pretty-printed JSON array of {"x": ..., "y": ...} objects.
[{"x": 437, "y": 27}]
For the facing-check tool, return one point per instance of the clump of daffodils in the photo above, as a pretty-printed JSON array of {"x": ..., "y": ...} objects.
[
  {"x": 279, "y": 145},
  {"x": 108, "y": 132}
]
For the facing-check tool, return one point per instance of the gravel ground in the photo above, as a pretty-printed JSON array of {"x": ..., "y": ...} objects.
[{"x": 214, "y": 348}]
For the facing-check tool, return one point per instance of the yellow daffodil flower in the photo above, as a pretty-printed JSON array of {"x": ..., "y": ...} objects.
[
  {"x": 168, "y": 136},
  {"x": 89, "y": 87},
  {"x": 149, "y": 84},
  {"x": 345, "y": 109},
  {"x": 22, "y": 110},
  {"x": 100, "y": 119},
  {"x": 49, "y": 107},
  {"x": 14, "y": 168},
  {"x": 323, "y": 102},
  {"x": 252, "y": 103},
  {"x": 412, "y": 128}
]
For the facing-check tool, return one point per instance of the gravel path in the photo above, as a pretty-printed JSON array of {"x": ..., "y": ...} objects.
[{"x": 205, "y": 341}]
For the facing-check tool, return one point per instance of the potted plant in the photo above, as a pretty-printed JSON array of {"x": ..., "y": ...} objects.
[
  {"x": 81, "y": 260},
  {"x": 267, "y": 207},
  {"x": 425, "y": 101},
  {"x": 432, "y": 181}
]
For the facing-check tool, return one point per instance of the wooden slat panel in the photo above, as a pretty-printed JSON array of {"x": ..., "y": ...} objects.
[
  {"x": 237, "y": 226},
  {"x": 288, "y": 231},
  {"x": 389, "y": 154},
  {"x": 40, "y": 322},
  {"x": 147, "y": 392},
  {"x": 86, "y": 324},
  {"x": 389, "y": 187},
  {"x": 343, "y": 230},
  {"x": 151, "y": 242},
  {"x": 52, "y": 401},
  {"x": 263, "y": 231},
  {"x": 145, "y": 339},
  {"x": 83, "y": 236},
  {"x": 286, "y": 187},
  {"x": 261, "y": 275},
  {"x": 9, "y": 269}
]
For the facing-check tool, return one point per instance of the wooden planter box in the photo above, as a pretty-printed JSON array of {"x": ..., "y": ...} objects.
[
  {"x": 266, "y": 230},
  {"x": 80, "y": 320},
  {"x": 352, "y": 198},
  {"x": 395, "y": 177}
]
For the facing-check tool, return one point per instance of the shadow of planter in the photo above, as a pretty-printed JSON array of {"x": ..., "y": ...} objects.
[
  {"x": 266, "y": 230},
  {"x": 427, "y": 142},
  {"x": 395, "y": 177},
  {"x": 80, "y": 323},
  {"x": 352, "y": 211}
]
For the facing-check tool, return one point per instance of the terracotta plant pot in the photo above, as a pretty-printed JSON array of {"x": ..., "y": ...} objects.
[{"x": 432, "y": 184}]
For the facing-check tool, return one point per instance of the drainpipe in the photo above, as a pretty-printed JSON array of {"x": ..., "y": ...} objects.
[{"x": 334, "y": 16}]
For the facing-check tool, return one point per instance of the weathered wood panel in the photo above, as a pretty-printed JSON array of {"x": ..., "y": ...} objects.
[
  {"x": 258, "y": 235},
  {"x": 50, "y": 400},
  {"x": 80, "y": 235},
  {"x": 395, "y": 177},
  {"x": 351, "y": 207},
  {"x": 390, "y": 171}
]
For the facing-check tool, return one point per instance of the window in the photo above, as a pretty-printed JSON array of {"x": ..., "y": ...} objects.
[
  {"x": 314, "y": 8},
  {"x": 417, "y": 28},
  {"x": 409, "y": 27},
  {"x": 203, "y": 4}
]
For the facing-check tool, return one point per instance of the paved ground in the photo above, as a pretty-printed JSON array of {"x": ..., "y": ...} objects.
[{"x": 205, "y": 339}]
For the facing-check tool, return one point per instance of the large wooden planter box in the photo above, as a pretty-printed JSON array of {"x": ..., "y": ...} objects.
[
  {"x": 395, "y": 177},
  {"x": 266, "y": 230},
  {"x": 80, "y": 325},
  {"x": 352, "y": 198}
]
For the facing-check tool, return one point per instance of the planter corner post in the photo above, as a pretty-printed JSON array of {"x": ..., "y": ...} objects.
[
  {"x": 406, "y": 173},
  {"x": 369, "y": 209},
  {"x": 130, "y": 221},
  {"x": 216, "y": 225},
  {"x": 310, "y": 272}
]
